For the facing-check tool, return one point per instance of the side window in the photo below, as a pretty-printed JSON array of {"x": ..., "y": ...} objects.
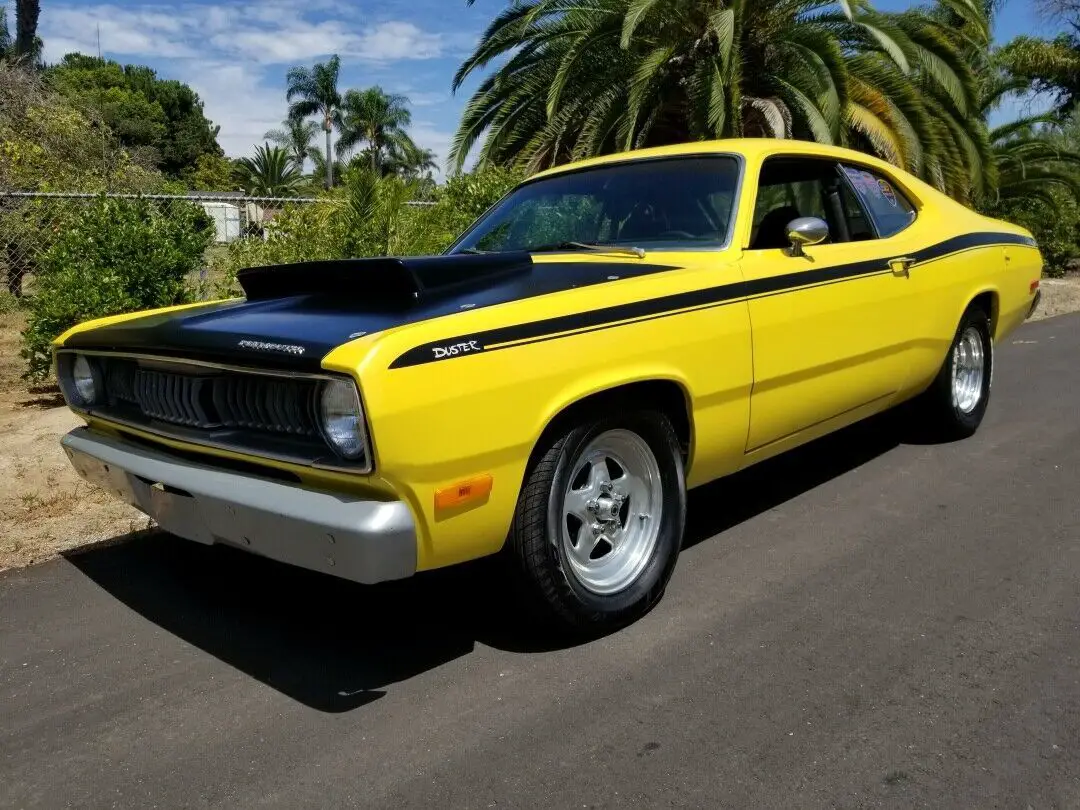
[
  {"x": 859, "y": 227},
  {"x": 790, "y": 188},
  {"x": 890, "y": 209}
]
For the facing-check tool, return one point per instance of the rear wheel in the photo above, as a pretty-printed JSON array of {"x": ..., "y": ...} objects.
[
  {"x": 956, "y": 401},
  {"x": 600, "y": 519}
]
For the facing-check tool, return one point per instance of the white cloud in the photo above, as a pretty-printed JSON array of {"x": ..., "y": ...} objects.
[
  {"x": 435, "y": 139},
  {"x": 389, "y": 41},
  {"x": 399, "y": 40},
  {"x": 122, "y": 31},
  {"x": 234, "y": 54},
  {"x": 425, "y": 99},
  {"x": 271, "y": 46},
  {"x": 235, "y": 97},
  {"x": 267, "y": 32}
]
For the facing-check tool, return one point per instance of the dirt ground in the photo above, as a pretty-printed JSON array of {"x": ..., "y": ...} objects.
[
  {"x": 1060, "y": 295},
  {"x": 45, "y": 508}
]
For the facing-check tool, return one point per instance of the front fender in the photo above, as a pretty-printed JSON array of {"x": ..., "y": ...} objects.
[{"x": 607, "y": 380}]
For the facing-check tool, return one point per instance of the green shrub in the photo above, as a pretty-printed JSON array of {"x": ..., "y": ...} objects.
[
  {"x": 8, "y": 302},
  {"x": 116, "y": 256},
  {"x": 1055, "y": 227},
  {"x": 367, "y": 216}
]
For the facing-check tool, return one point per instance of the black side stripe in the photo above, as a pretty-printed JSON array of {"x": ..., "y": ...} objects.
[{"x": 680, "y": 303}]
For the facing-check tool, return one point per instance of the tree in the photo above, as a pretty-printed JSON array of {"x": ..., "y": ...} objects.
[
  {"x": 313, "y": 91},
  {"x": 1029, "y": 164},
  {"x": 270, "y": 173},
  {"x": 295, "y": 136},
  {"x": 212, "y": 173},
  {"x": 410, "y": 162},
  {"x": 27, "y": 44},
  {"x": 377, "y": 119},
  {"x": 161, "y": 116},
  {"x": 5, "y": 35},
  {"x": 1065, "y": 10},
  {"x": 580, "y": 80},
  {"x": 319, "y": 171},
  {"x": 1047, "y": 66}
]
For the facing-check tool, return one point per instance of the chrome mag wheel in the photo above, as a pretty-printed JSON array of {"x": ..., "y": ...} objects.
[
  {"x": 611, "y": 510},
  {"x": 968, "y": 368}
]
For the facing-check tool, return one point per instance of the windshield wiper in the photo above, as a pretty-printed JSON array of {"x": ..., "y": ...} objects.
[
  {"x": 628, "y": 250},
  {"x": 474, "y": 251}
]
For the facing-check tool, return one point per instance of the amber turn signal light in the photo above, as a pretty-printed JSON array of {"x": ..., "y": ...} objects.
[{"x": 471, "y": 489}]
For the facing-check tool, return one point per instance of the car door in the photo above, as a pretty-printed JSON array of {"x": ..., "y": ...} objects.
[{"x": 831, "y": 328}]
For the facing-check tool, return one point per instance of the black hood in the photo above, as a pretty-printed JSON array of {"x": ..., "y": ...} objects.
[
  {"x": 295, "y": 314},
  {"x": 388, "y": 281}
]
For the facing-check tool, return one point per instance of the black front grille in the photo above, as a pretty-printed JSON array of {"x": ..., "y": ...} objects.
[
  {"x": 212, "y": 399},
  {"x": 172, "y": 398},
  {"x": 263, "y": 403}
]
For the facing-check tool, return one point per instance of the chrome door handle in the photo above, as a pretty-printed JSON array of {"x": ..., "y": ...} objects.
[{"x": 901, "y": 265}]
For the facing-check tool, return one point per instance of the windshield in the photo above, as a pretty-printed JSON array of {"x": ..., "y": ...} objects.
[{"x": 670, "y": 202}]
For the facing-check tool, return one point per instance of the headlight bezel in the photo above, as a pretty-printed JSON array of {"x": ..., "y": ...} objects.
[
  {"x": 341, "y": 395},
  {"x": 67, "y": 365}
]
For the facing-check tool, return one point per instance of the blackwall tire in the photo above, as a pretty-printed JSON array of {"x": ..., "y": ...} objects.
[
  {"x": 955, "y": 404},
  {"x": 599, "y": 521}
]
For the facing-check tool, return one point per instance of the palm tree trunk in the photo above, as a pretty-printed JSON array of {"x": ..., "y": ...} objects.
[
  {"x": 374, "y": 159},
  {"x": 329, "y": 156},
  {"x": 26, "y": 23}
]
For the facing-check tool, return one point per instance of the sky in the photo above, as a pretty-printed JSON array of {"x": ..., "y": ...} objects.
[{"x": 235, "y": 53}]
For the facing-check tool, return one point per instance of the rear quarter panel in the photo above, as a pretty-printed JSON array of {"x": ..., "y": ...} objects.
[
  {"x": 947, "y": 286},
  {"x": 1001, "y": 263}
]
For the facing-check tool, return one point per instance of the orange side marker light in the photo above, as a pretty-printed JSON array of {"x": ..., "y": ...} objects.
[
  {"x": 1033, "y": 287},
  {"x": 471, "y": 489}
]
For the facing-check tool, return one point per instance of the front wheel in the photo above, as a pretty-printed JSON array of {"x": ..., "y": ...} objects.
[
  {"x": 956, "y": 401},
  {"x": 599, "y": 522}
]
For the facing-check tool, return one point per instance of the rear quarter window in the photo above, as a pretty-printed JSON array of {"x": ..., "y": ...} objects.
[{"x": 888, "y": 207}]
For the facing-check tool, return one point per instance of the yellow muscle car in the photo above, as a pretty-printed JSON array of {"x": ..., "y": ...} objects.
[{"x": 608, "y": 335}]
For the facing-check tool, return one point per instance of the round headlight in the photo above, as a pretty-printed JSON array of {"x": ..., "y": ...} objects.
[
  {"x": 342, "y": 418},
  {"x": 82, "y": 377}
]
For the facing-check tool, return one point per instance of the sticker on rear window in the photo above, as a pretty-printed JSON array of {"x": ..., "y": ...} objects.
[{"x": 888, "y": 192}]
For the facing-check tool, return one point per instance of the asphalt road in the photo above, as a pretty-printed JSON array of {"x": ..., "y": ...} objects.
[{"x": 869, "y": 622}]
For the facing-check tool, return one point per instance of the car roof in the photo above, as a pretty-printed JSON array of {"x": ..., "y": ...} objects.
[{"x": 746, "y": 147}]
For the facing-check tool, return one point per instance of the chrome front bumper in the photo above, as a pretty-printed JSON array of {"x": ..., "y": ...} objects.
[{"x": 339, "y": 534}]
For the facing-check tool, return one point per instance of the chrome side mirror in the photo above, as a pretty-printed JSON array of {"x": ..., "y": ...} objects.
[{"x": 806, "y": 231}]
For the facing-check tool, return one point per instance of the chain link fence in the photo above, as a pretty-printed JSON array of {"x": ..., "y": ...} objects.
[{"x": 30, "y": 222}]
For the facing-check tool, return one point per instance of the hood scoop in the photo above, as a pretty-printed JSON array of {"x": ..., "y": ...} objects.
[{"x": 391, "y": 281}]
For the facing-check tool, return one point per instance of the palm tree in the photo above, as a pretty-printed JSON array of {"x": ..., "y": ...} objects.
[
  {"x": 295, "y": 136},
  {"x": 5, "y": 42},
  {"x": 27, "y": 43},
  {"x": 1028, "y": 162},
  {"x": 5, "y": 34},
  {"x": 586, "y": 79},
  {"x": 1049, "y": 66},
  {"x": 270, "y": 173},
  {"x": 319, "y": 171},
  {"x": 409, "y": 162},
  {"x": 313, "y": 91},
  {"x": 377, "y": 119}
]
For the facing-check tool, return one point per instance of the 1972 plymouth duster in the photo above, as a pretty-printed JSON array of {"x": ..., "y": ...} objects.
[{"x": 608, "y": 335}]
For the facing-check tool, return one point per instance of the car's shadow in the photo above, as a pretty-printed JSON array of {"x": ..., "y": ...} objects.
[{"x": 334, "y": 645}]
